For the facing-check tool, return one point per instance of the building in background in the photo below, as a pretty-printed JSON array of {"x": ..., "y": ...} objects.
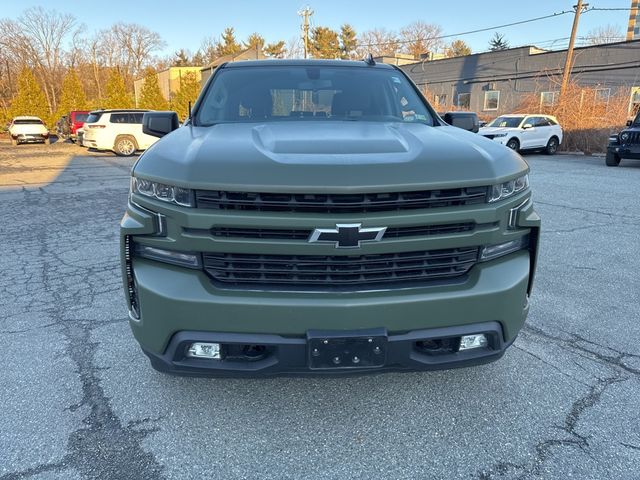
[
  {"x": 248, "y": 54},
  {"x": 168, "y": 81},
  {"x": 633, "y": 31},
  {"x": 494, "y": 83}
]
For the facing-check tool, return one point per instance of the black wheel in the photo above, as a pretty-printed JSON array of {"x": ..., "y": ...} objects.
[
  {"x": 513, "y": 144},
  {"x": 552, "y": 146},
  {"x": 612, "y": 160},
  {"x": 125, "y": 146}
]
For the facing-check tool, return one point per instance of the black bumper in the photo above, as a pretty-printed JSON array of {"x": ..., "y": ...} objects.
[
  {"x": 625, "y": 151},
  {"x": 293, "y": 356}
]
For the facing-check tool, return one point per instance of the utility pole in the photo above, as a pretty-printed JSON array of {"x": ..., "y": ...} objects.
[
  {"x": 305, "y": 13},
  {"x": 579, "y": 8}
]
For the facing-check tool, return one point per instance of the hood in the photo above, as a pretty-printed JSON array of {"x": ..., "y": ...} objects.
[
  {"x": 494, "y": 130},
  {"x": 337, "y": 156}
]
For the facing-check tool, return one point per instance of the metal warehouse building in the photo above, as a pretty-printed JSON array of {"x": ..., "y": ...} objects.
[{"x": 493, "y": 83}]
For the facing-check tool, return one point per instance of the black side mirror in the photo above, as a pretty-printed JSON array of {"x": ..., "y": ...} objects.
[
  {"x": 158, "y": 124},
  {"x": 629, "y": 123},
  {"x": 462, "y": 120}
]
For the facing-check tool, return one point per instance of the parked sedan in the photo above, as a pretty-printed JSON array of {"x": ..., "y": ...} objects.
[
  {"x": 525, "y": 132},
  {"x": 28, "y": 129}
]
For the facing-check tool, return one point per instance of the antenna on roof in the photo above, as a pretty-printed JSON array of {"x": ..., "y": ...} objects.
[{"x": 369, "y": 59}]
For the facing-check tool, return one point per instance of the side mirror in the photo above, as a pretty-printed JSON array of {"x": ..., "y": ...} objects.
[
  {"x": 464, "y": 121},
  {"x": 158, "y": 124},
  {"x": 527, "y": 125},
  {"x": 629, "y": 123}
]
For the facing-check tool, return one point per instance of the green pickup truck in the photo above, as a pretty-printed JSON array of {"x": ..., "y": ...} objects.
[{"x": 318, "y": 217}]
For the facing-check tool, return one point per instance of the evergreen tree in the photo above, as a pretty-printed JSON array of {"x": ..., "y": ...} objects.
[
  {"x": 348, "y": 41},
  {"x": 72, "y": 96},
  {"x": 255, "y": 40},
  {"x": 457, "y": 48},
  {"x": 498, "y": 42},
  {"x": 181, "y": 58},
  {"x": 189, "y": 90},
  {"x": 228, "y": 45},
  {"x": 30, "y": 99},
  {"x": 117, "y": 95},
  {"x": 276, "y": 49},
  {"x": 151, "y": 97},
  {"x": 324, "y": 43}
]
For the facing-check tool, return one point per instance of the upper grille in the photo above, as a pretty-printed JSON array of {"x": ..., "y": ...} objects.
[
  {"x": 339, "y": 202},
  {"x": 302, "y": 234},
  {"x": 634, "y": 137},
  {"x": 304, "y": 271}
]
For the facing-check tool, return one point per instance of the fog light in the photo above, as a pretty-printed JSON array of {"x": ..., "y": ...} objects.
[
  {"x": 467, "y": 342},
  {"x": 204, "y": 350}
]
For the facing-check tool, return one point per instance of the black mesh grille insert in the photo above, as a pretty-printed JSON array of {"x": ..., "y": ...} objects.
[
  {"x": 339, "y": 203},
  {"x": 302, "y": 271}
]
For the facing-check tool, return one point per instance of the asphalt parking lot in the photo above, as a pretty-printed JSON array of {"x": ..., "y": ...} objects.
[{"x": 79, "y": 399}]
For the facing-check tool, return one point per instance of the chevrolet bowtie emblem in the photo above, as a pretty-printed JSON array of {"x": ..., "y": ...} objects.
[{"x": 347, "y": 235}]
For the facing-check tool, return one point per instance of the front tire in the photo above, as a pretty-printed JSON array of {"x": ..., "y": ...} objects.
[
  {"x": 125, "y": 146},
  {"x": 612, "y": 159},
  {"x": 513, "y": 144},
  {"x": 552, "y": 146}
]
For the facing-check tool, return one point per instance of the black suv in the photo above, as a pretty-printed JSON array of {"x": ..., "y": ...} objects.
[{"x": 626, "y": 144}]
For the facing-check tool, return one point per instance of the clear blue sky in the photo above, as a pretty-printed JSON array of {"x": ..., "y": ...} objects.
[{"x": 183, "y": 24}]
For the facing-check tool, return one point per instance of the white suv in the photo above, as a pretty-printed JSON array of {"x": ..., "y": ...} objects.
[
  {"x": 525, "y": 132},
  {"x": 27, "y": 129},
  {"x": 117, "y": 130}
]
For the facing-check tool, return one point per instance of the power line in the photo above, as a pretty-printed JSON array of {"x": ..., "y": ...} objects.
[{"x": 439, "y": 37}]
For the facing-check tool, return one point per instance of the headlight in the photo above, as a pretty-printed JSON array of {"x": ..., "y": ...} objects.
[
  {"x": 166, "y": 193},
  {"x": 508, "y": 189},
  {"x": 496, "y": 135},
  {"x": 624, "y": 136},
  {"x": 501, "y": 249}
]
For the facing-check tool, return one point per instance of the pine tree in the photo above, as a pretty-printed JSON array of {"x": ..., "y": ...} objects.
[
  {"x": 348, "y": 41},
  {"x": 151, "y": 97},
  {"x": 72, "y": 96},
  {"x": 228, "y": 45},
  {"x": 457, "y": 48},
  {"x": 30, "y": 99},
  {"x": 276, "y": 49},
  {"x": 189, "y": 90},
  {"x": 117, "y": 95},
  {"x": 324, "y": 43},
  {"x": 498, "y": 42},
  {"x": 255, "y": 40}
]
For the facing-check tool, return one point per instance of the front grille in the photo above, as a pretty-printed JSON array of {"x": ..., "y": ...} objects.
[
  {"x": 634, "y": 138},
  {"x": 303, "y": 234},
  {"x": 330, "y": 272},
  {"x": 339, "y": 203}
]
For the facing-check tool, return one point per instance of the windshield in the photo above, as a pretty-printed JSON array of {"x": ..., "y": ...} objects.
[
  {"x": 310, "y": 93},
  {"x": 27, "y": 121},
  {"x": 509, "y": 122}
]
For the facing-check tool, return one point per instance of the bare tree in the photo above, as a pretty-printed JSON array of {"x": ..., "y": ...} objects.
[
  {"x": 377, "y": 42},
  {"x": 37, "y": 39},
  {"x": 294, "y": 48},
  {"x": 421, "y": 37},
  {"x": 136, "y": 44},
  {"x": 606, "y": 34}
]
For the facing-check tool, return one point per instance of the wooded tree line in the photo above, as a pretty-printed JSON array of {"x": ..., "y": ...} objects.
[{"x": 50, "y": 64}]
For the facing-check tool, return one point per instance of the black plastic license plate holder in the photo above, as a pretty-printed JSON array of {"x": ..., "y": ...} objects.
[{"x": 330, "y": 350}]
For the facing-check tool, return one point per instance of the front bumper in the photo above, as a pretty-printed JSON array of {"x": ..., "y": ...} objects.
[
  {"x": 625, "y": 151},
  {"x": 291, "y": 355}
]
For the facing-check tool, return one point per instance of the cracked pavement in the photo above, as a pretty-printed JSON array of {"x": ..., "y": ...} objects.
[{"x": 81, "y": 401}]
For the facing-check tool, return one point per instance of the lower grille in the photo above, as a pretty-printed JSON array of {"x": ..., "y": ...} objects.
[
  {"x": 328, "y": 272},
  {"x": 303, "y": 234}
]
